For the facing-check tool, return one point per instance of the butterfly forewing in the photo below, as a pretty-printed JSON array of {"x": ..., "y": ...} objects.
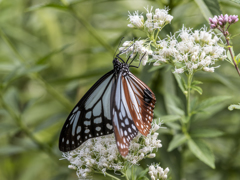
[
  {"x": 141, "y": 102},
  {"x": 91, "y": 117},
  {"x": 124, "y": 127}
]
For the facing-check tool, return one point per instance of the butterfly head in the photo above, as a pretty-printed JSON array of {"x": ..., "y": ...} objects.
[{"x": 120, "y": 66}]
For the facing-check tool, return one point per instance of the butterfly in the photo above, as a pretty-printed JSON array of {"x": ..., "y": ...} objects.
[{"x": 118, "y": 103}]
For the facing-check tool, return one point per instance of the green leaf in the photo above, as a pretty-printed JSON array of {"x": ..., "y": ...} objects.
[
  {"x": 207, "y": 133},
  {"x": 51, "y": 5},
  {"x": 213, "y": 7},
  {"x": 202, "y": 151},
  {"x": 234, "y": 106},
  {"x": 204, "y": 9},
  {"x": 177, "y": 141},
  {"x": 155, "y": 68},
  {"x": 181, "y": 82},
  {"x": 142, "y": 173},
  {"x": 237, "y": 58},
  {"x": 176, "y": 110},
  {"x": 173, "y": 125},
  {"x": 229, "y": 55},
  {"x": 196, "y": 83},
  {"x": 211, "y": 101},
  {"x": 197, "y": 88},
  {"x": 169, "y": 118},
  {"x": 225, "y": 80},
  {"x": 46, "y": 57}
]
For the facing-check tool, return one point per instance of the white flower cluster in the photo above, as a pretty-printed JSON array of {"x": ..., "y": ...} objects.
[
  {"x": 142, "y": 47},
  {"x": 193, "y": 51},
  {"x": 101, "y": 153},
  {"x": 153, "y": 21},
  {"x": 156, "y": 172}
]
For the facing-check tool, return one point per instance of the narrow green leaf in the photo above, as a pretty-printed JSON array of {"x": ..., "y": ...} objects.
[
  {"x": 142, "y": 173},
  {"x": 169, "y": 118},
  {"x": 196, "y": 82},
  {"x": 177, "y": 141},
  {"x": 176, "y": 110},
  {"x": 234, "y": 106},
  {"x": 197, "y": 88},
  {"x": 204, "y": 9},
  {"x": 229, "y": 55},
  {"x": 33, "y": 69},
  {"x": 155, "y": 68},
  {"x": 238, "y": 58},
  {"x": 173, "y": 125},
  {"x": 202, "y": 151},
  {"x": 47, "y": 56},
  {"x": 181, "y": 82},
  {"x": 207, "y": 133},
  {"x": 225, "y": 80},
  {"x": 213, "y": 7},
  {"x": 52, "y": 5},
  {"x": 211, "y": 101}
]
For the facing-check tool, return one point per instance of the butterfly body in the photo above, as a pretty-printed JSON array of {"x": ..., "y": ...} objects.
[{"x": 118, "y": 102}]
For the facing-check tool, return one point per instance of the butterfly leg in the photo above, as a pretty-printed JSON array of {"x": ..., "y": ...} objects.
[{"x": 139, "y": 62}]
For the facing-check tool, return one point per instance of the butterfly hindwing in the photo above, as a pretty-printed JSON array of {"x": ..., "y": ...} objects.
[
  {"x": 91, "y": 117},
  {"x": 141, "y": 102},
  {"x": 124, "y": 127}
]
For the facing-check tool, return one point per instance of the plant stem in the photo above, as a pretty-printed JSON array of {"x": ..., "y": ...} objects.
[
  {"x": 188, "y": 96},
  {"x": 230, "y": 50}
]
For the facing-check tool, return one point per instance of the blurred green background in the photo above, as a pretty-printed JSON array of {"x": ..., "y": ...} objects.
[{"x": 51, "y": 52}]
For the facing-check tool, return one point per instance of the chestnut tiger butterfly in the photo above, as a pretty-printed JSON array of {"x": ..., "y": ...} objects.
[{"x": 118, "y": 103}]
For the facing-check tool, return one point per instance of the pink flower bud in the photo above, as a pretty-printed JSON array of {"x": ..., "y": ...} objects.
[
  {"x": 225, "y": 18},
  {"x": 213, "y": 26},
  {"x": 215, "y": 20},
  {"x": 210, "y": 20}
]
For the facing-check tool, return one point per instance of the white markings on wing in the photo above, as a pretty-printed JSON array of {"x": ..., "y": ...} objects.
[
  {"x": 97, "y": 93},
  {"x": 106, "y": 101},
  {"x": 97, "y": 109},
  {"x": 75, "y": 122},
  {"x": 98, "y": 120},
  {"x": 88, "y": 115}
]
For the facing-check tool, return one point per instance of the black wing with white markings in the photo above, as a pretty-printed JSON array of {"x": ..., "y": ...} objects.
[{"x": 91, "y": 117}]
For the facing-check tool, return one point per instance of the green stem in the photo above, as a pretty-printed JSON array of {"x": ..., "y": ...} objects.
[
  {"x": 132, "y": 173},
  {"x": 25, "y": 129},
  {"x": 230, "y": 50},
  {"x": 155, "y": 39},
  {"x": 188, "y": 96}
]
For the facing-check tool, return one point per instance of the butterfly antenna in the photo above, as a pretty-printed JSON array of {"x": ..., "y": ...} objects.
[{"x": 118, "y": 47}]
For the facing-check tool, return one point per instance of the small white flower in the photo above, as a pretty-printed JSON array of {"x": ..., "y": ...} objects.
[
  {"x": 136, "y": 20},
  {"x": 179, "y": 71},
  {"x": 153, "y": 155},
  {"x": 208, "y": 69}
]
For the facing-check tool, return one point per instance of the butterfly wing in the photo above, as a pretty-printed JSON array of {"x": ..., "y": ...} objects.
[
  {"x": 91, "y": 117},
  {"x": 141, "y": 102},
  {"x": 124, "y": 127}
]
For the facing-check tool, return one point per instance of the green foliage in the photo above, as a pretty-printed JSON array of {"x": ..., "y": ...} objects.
[{"x": 52, "y": 53}]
